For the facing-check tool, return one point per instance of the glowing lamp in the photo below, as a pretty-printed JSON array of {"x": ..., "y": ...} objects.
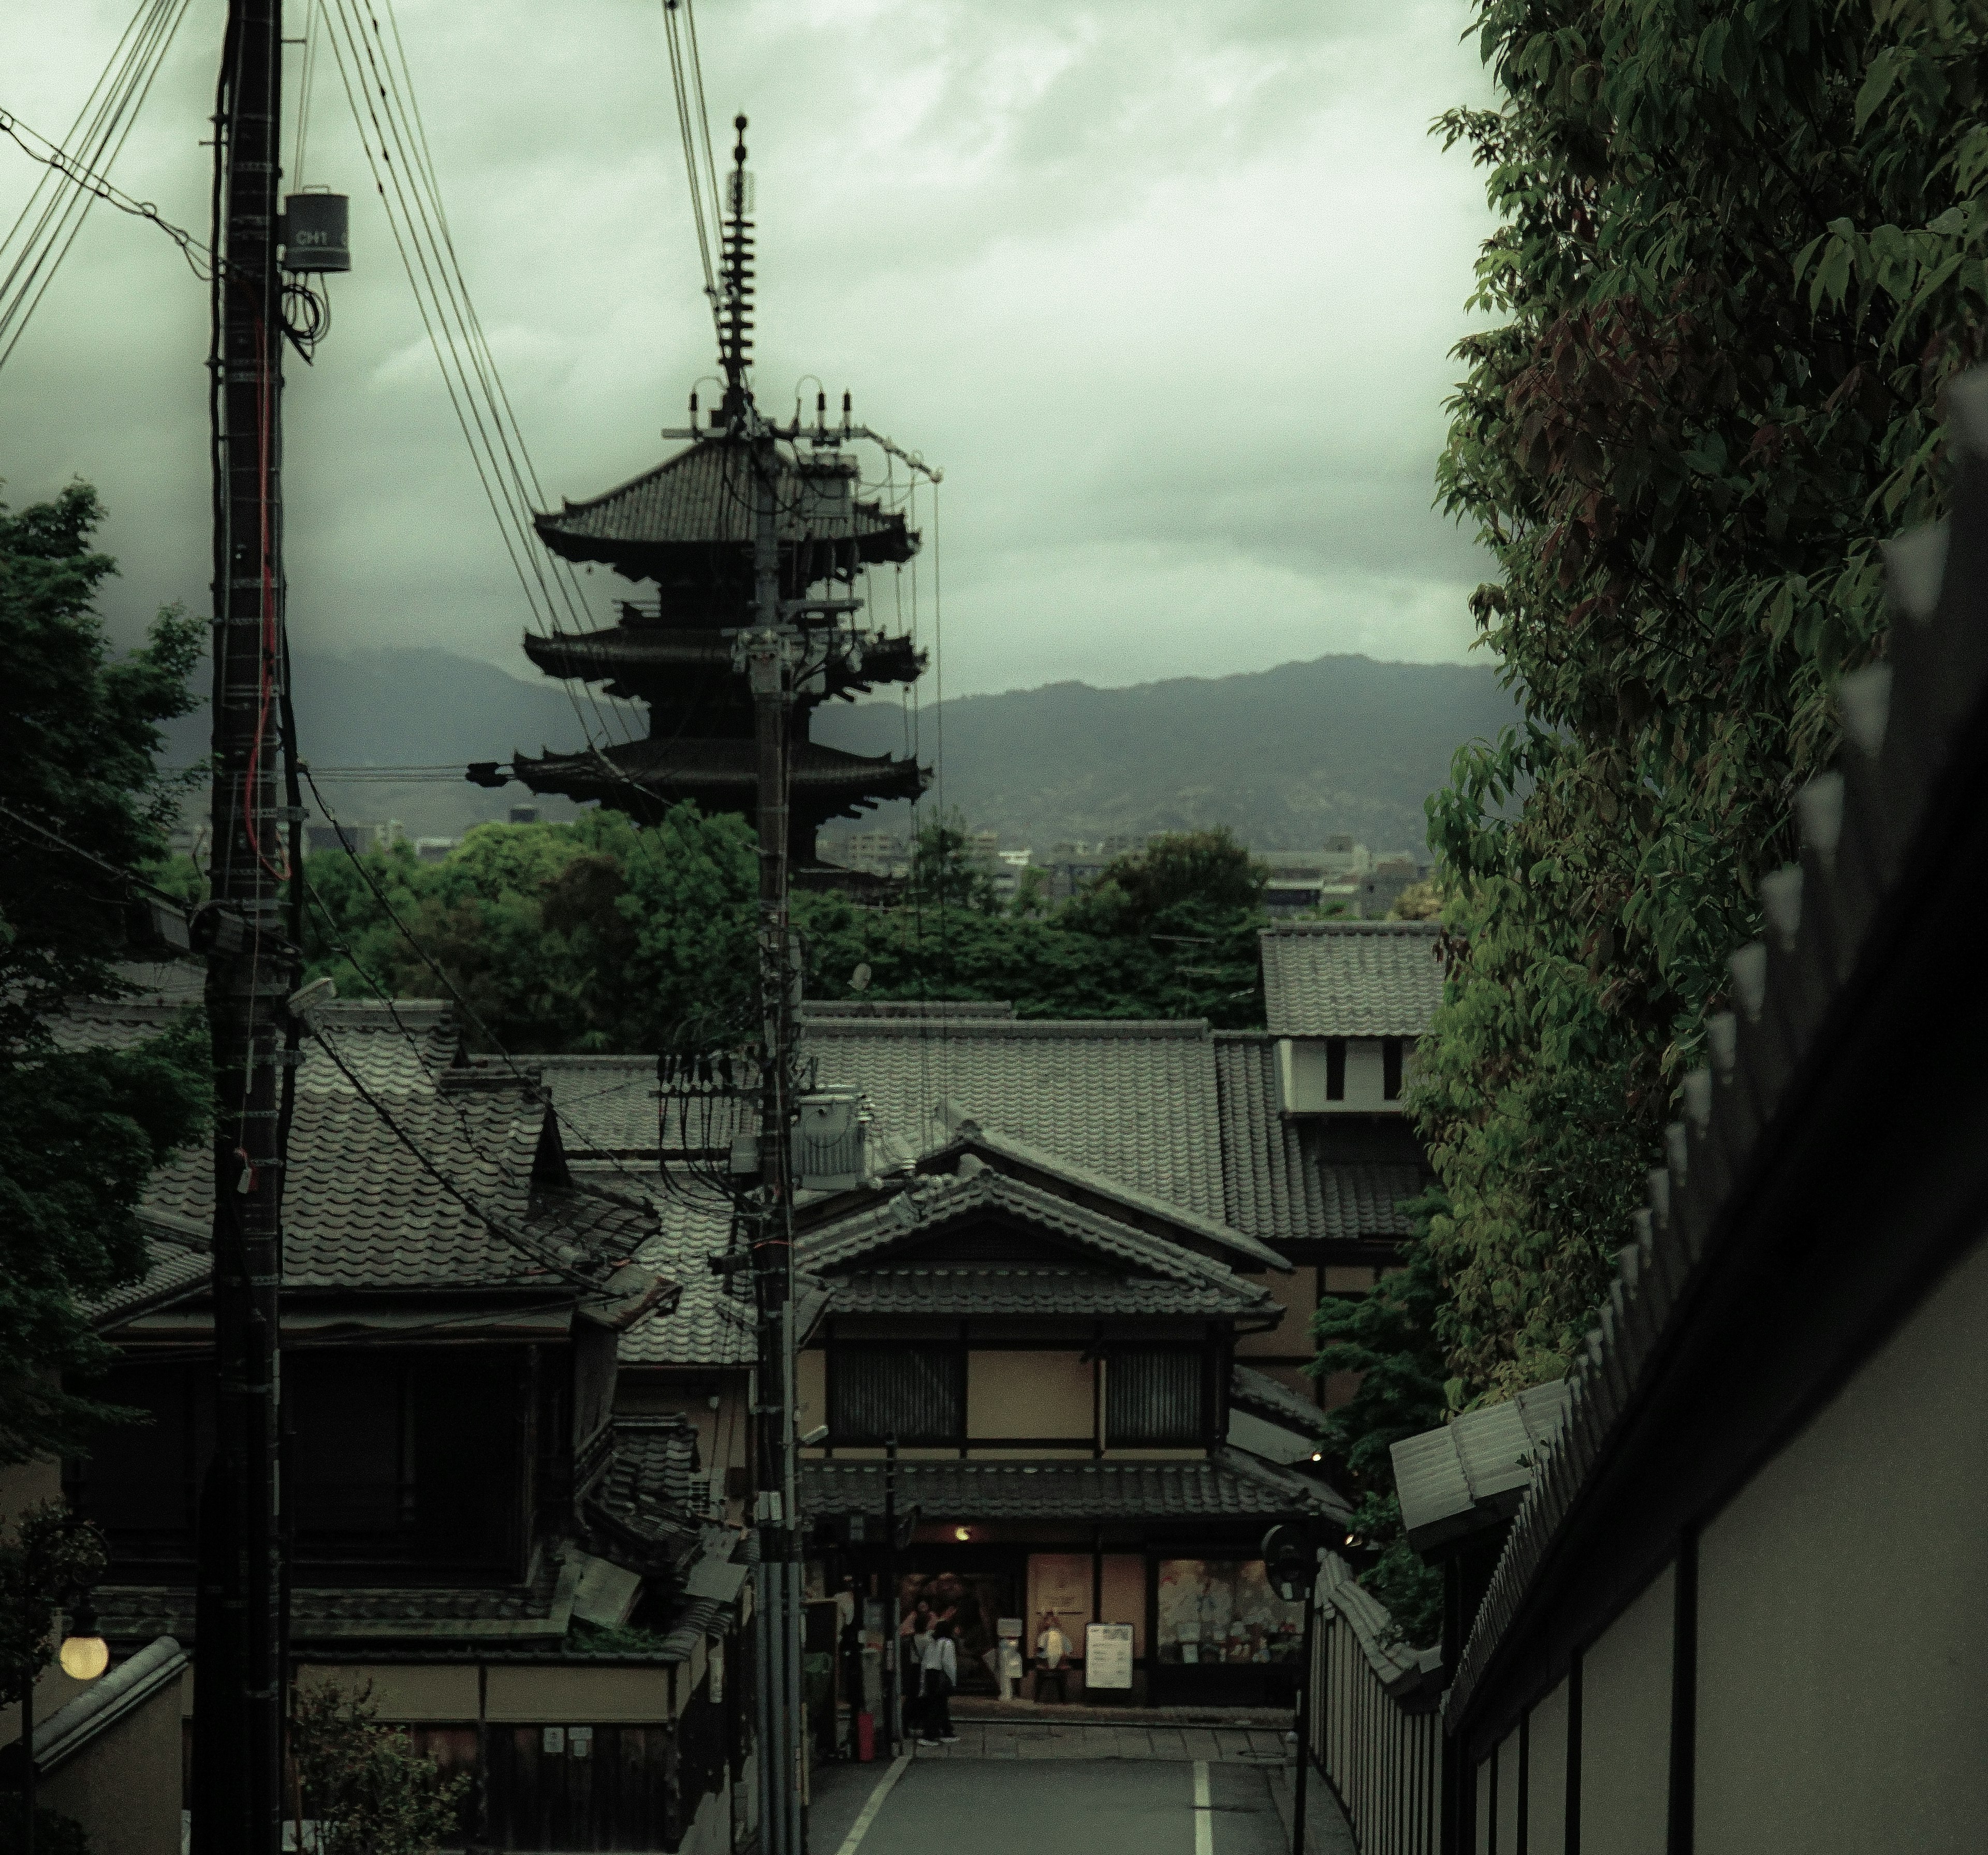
[
  {"x": 84, "y": 1654},
  {"x": 962, "y": 1533}
]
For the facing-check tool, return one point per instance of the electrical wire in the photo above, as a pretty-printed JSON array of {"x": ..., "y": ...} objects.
[
  {"x": 47, "y": 225},
  {"x": 379, "y": 89},
  {"x": 38, "y": 147},
  {"x": 449, "y": 984},
  {"x": 551, "y": 1266}
]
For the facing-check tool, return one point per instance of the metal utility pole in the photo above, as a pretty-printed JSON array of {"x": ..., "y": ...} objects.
[{"x": 238, "y": 1716}]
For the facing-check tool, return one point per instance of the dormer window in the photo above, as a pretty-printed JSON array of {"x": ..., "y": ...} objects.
[{"x": 1343, "y": 1075}]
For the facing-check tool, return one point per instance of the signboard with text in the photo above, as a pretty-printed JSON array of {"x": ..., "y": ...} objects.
[{"x": 1107, "y": 1655}]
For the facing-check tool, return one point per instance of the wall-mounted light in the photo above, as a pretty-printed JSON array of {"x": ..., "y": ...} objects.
[
  {"x": 962, "y": 1533},
  {"x": 84, "y": 1654}
]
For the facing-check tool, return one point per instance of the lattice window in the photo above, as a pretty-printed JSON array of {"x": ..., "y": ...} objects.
[
  {"x": 917, "y": 1393},
  {"x": 1155, "y": 1398}
]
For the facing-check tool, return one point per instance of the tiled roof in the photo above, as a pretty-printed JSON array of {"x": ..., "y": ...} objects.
[
  {"x": 362, "y": 1211},
  {"x": 1473, "y": 1471},
  {"x": 1024, "y": 1288},
  {"x": 1878, "y": 834},
  {"x": 425, "y": 1614},
  {"x": 1283, "y": 1181},
  {"x": 1227, "y": 1484},
  {"x": 710, "y": 1325},
  {"x": 971, "y": 1135},
  {"x": 1134, "y": 1101},
  {"x": 387, "y": 1056},
  {"x": 1258, "y": 1392},
  {"x": 1351, "y": 979},
  {"x": 172, "y": 1270},
  {"x": 698, "y": 498},
  {"x": 645, "y": 1508},
  {"x": 931, "y": 1203}
]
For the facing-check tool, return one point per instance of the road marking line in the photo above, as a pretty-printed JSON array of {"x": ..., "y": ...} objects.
[
  {"x": 1204, "y": 1818},
  {"x": 860, "y": 1827}
]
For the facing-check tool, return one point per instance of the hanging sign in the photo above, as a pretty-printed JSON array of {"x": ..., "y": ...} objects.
[{"x": 1107, "y": 1655}]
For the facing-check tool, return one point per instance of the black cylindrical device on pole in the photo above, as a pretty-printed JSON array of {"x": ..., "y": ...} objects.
[{"x": 317, "y": 232}]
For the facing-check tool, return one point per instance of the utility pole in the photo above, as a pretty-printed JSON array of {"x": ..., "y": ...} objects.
[
  {"x": 238, "y": 1710},
  {"x": 767, "y": 649}
]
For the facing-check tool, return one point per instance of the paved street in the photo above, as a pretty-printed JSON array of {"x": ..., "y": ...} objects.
[
  {"x": 1080, "y": 1739},
  {"x": 1134, "y": 1805}
]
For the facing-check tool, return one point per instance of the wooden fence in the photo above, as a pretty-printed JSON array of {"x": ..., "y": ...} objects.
[{"x": 1376, "y": 1734}]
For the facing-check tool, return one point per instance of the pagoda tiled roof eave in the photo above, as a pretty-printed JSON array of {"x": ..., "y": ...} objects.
[
  {"x": 712, "y": 767},
  {"x": 631, "y": 652},
  {"x": 691, "y": 503}
]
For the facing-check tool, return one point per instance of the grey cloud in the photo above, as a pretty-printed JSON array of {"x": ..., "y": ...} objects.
[{"x": 1169, "y": 290}]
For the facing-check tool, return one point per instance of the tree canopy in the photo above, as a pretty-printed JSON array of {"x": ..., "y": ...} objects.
[
  {"x": 1740, "y": 254},
  {"x": 598, "y": 936},
  {"x": 83, "y": 808}
]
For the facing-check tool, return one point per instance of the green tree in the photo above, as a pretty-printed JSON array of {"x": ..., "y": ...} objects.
[
  {"x": 1389, "y": 1336},
  {"x": 1740, "y": 255},
  {"x": 586, "y": 936},
  {"x": 364, "y": 1782},
  {"x": 82, "y": 807}
]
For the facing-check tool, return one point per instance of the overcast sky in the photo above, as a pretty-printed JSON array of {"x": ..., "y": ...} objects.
[{"x": 1168, "y": 290}]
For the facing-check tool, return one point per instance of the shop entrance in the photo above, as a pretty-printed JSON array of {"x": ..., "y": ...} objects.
[{"x": 975, "y": 1598}]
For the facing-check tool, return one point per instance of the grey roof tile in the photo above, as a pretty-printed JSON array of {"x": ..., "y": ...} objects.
[
  {"x": 1132, "y": 1100},
  {"x": 362, "y": 1212},
  {"x": 1024, "y": 1288},
  {"x": 1281, "y": 1181},
  {"x": 1258, "y": 1392},
  {"x": 1227, "y": 1484},
  {"x": 711, "y": 1325},
  {"x": 1351, "y": 979},
  {"x": 930, "y": 1205},
  {"x": 645, "y": 1506}
]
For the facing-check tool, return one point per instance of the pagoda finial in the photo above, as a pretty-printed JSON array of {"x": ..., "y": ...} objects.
[{"x": 735, "y": 320}]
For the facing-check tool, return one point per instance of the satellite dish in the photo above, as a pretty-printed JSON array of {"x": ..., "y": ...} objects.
[{"x": 859, "y": 980}]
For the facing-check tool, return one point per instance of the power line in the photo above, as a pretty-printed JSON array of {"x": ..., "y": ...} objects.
[{"x": 47, "y": 224}]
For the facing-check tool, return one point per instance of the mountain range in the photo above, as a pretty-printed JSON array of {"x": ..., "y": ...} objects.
[{"x": 1284, "y": 757}]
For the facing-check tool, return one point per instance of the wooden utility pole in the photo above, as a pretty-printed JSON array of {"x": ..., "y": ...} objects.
[
  {"x": 239, "y": 1702},
  {"x": 767, "y": 650}
]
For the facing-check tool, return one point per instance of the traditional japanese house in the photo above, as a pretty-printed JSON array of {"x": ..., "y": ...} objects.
[
  {"x": 532, "y": 1577},
  {"x": 1319, "y": 1156},
  {"x": 1043, "y": 1309},
  {"x": 685, "y": 529}
]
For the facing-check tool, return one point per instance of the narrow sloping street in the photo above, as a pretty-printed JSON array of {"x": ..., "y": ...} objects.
[{"x": 1130, "y": 1805}]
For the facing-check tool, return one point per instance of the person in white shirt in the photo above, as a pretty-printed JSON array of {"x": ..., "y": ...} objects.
[{"x": 941, "y": 1665}]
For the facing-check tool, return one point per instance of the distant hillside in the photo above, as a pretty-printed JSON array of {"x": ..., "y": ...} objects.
[{"x": 1283, "y": 757}]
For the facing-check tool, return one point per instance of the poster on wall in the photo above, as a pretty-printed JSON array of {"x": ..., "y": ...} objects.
[
  {"x": 1107, "y": 1655},
  {"x": 1213, "y": 1611}
]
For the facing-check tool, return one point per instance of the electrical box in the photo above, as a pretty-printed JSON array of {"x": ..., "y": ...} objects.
[{"x": 832, "y": 1140}]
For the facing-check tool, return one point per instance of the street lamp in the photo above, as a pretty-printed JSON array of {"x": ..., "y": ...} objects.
[{"x": 84, "y": 1654}]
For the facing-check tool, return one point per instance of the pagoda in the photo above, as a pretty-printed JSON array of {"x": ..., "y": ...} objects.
[{"x": 685, "y": 532}]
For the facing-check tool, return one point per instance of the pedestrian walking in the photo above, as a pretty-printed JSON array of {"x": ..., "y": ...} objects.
[
  {"x": 941, "y": 1676},
  {"x": 913, "y": 1634}
]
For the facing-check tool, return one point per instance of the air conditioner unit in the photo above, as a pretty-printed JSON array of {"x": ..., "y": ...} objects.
[{"x": 832, "y": 1140}]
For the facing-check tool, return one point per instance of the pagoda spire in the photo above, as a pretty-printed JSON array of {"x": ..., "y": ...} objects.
[{"x": 735, "y": 310}]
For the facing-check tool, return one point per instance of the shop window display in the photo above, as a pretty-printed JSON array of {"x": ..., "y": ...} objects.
[{"x": 1224, "y": 1611}]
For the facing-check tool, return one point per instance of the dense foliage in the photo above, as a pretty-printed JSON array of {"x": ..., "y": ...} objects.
[
  {"x": 1742, "y": 252},
  {"x": 80, "y": 1131},
  {"x": 595, "y": 936},
  {"x": 369, "y": 1792},
  {"x": 1389, "y": 1336}
]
